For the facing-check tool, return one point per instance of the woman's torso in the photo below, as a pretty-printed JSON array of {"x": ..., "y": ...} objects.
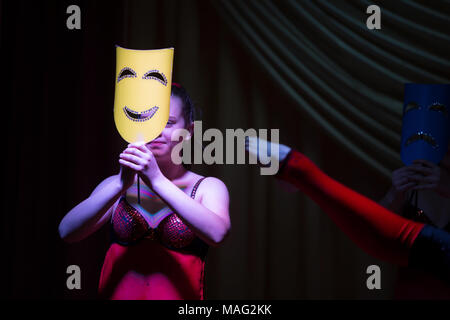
[
  {"x": 417, "y": 284},
  {"x": 154, "y": 254}
]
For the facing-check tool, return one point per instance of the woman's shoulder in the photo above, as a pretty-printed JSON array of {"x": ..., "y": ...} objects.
[
  {"x": 209, "y": 190},
  {"x": 207, "y": 184},
  {"x": 206, "y": 180},
  {"x": 211, "y": 185}
]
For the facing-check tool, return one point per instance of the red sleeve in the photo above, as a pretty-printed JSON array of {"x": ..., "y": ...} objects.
[{"x": 376, "y": 230}]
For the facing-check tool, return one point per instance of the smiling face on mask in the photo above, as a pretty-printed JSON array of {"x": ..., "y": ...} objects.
[
  {"x": 142, "y": 94},
  {"x": 426, "y": 122}
]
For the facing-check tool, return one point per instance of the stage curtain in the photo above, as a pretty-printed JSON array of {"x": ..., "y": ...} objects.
[{"x": 344, "y": 77}]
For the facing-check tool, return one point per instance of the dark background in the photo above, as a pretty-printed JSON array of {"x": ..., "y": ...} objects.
[{"x": 61, "y": 141}]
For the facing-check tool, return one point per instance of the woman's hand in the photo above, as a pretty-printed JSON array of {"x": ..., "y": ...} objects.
[
  {"x": 433, "y": 177},
  {"x": 404, "y": 179},
  {"x": 261, "y": 150},
  {"x": 140, "y": 159}
]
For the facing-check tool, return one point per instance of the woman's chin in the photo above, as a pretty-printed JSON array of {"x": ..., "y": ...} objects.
[{"x": 158, "y": 151}]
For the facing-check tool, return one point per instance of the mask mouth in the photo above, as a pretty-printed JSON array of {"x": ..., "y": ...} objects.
[
  {"x": 140, "y": 116},
  {"x": 420, "y": 135}
]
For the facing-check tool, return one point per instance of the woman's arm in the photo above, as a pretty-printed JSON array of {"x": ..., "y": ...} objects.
[
  {"x": 89, "y": 215},
  {"x": 376, "y": 230}
]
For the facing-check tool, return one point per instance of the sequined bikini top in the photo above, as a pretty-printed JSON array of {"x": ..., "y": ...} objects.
[{"x": 129, "y": 227}]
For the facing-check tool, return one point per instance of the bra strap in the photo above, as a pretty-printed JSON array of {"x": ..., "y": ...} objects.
[{"x": 194, "y": 189}]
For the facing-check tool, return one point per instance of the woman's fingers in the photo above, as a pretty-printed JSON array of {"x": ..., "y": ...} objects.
[
  {"x": 132, "y": 158},
  {"x": 415, "y": 172},
  {"x": 425, "y": 163},
  {"x": 407, "y": 186},
  {"x": 141, "y": 146},
  {"x": 129, "y": 164},
  {"x": 421, "y": 169},
  {"x": 403, "y": 172},
  {"x": 409, "y": 177},
  {"x": 420, "y": 175},
  {"x": 400, "y": 183},
  {"x": 416, "y": 177},
  {"x": 137, "y": 152}
]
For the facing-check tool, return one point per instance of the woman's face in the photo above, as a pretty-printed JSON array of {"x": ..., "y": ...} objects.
[{"x": 162, "y": 145}]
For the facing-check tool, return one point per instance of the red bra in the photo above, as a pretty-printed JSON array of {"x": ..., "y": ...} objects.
[{"x": 129, "y": 227}]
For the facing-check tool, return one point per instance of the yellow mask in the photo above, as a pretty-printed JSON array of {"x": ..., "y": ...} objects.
[{"x": 142, "y": 97}]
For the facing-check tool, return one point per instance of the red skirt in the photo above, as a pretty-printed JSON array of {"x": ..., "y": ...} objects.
[{"x": 150, "y": 271}]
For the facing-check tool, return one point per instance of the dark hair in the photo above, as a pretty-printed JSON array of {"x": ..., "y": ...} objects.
[{"x": 189, "y": 111}]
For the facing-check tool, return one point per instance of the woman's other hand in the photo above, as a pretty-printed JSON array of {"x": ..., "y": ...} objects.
[
  {"x": 403, "y": 180},
  {"x": 433, "y": 177}
]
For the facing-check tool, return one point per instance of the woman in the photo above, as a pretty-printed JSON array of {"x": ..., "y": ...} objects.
[
  {"x": 162, "y": 227},
  {"x": 378, "y": 231},
  {"x": 430, "y": 205}
]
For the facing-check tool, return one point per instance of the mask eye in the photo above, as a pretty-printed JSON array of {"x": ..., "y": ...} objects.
[
  {"x": 156, "y": 75},
  {"x": 126, "y": 73},
  {"x": 439, "y": 107},
  {"x": 411, "y": 106}
]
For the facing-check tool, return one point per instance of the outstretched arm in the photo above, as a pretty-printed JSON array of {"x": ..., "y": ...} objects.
[{"x": 375, "y": 229}]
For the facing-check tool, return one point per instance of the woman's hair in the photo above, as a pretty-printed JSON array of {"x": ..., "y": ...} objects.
[{"x": 189, "y": 111}]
